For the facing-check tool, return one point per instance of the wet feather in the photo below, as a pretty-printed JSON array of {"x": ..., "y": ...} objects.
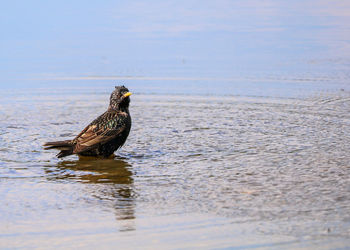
[{"x": 105, "y": 134}]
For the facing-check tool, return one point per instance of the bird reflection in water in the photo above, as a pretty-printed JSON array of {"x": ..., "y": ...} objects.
[{"x": 112, "y": 181}]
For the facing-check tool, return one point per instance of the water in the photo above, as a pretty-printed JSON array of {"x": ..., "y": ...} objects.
[
  {"x": 196, "y": 171},
  {"x": 240, "y": 135}
]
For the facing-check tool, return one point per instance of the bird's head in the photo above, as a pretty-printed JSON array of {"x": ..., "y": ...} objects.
[{"x": 120, "y": 98}]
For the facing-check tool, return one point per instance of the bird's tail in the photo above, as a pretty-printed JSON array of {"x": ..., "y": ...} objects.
[{"x": 66, "y": 147}]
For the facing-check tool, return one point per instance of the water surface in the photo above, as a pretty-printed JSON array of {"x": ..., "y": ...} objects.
[
  {"x": 240, "y": 135},
  {"x": 196, "y": 171}
]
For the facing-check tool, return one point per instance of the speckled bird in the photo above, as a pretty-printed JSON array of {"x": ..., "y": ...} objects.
[{"x": 105, "y": 134}]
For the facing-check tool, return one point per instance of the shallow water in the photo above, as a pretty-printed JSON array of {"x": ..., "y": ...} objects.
[
  {"x": 240, "y": 136},
  {"x": 196, "y": 171}
]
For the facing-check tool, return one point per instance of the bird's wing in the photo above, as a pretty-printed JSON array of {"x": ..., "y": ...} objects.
[{"x": 103, "y": 129}]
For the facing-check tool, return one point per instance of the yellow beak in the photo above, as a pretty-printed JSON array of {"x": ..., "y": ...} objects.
[{"x": 127, "y": 94}]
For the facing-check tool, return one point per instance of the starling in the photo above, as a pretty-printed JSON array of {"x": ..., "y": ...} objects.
[{"x": 105, "y": 134}]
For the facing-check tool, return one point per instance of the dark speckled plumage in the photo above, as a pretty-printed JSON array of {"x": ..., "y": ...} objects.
[{"x": 105, "y": 134}]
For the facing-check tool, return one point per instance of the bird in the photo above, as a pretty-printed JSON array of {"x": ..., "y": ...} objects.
[{"x": 104, "y": 135}]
